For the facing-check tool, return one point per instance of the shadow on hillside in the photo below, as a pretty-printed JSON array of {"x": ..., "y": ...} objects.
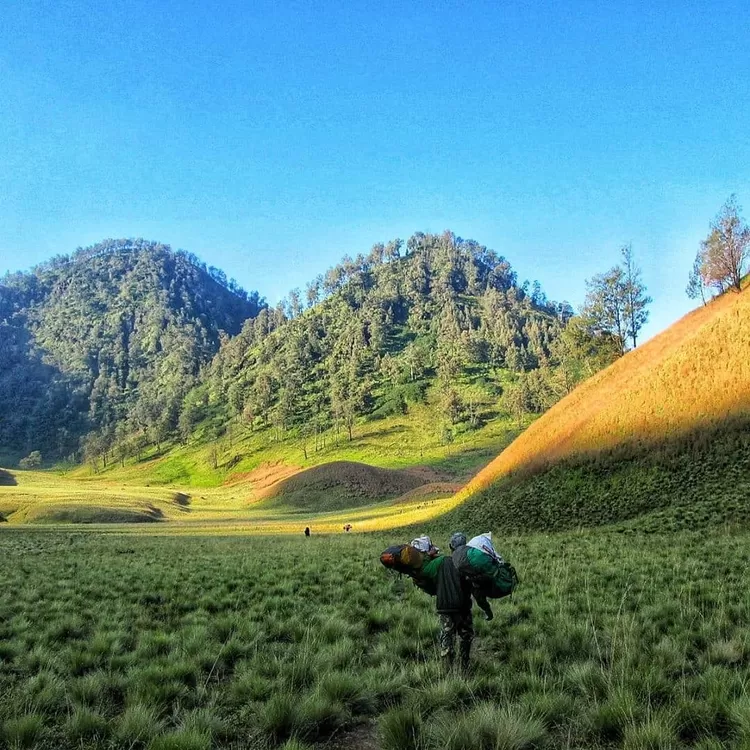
[
  {"x": 690, "y": 481},
  {"x": 462, "y": 465},
  {"x": 7, "y": 479},
  {"x": 182, "y": 501},
  {"x": 651, "y": 447},
  {"x": 342, "y": 484},
  {"x": 376, "y": 433}
]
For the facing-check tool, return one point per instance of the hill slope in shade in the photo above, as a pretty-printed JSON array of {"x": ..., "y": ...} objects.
[
  {"x": 343, "y": 484},
  {"x": 662, "y": 435}
]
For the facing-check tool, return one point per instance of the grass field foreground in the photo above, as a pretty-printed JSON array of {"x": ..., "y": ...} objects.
[{"x": 612, "y": 640}]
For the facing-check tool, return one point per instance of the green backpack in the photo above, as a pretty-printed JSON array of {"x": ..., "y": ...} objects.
[{"x": 490, "y": 578}]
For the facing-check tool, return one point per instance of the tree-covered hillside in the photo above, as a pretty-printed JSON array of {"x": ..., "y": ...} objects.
[
  {"x": 106, "y": 341},
  {"x": 375, "y": 333},
  {"x": 127, "y": 345}
]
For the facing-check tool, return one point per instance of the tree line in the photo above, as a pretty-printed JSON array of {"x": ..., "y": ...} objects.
[{"x": 113, "y": 333}]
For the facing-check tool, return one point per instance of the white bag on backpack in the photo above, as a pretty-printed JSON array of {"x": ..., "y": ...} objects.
[{"x": 483, "y": 543}]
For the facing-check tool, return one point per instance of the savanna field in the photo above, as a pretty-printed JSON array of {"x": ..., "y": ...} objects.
[{"x": 613, "y": 639}]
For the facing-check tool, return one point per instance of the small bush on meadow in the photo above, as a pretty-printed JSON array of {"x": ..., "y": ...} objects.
[
  {"x": 401, "y": 729},
  {"x": 23, "y": 731}
]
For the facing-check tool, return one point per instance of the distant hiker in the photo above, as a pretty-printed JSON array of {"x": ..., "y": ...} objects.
[
  {"x": 307, "y": 531},
  {"x": 437, "y": 576},
  {"x": 489, "y": 575},
  {"x": 347, "y": 527}
]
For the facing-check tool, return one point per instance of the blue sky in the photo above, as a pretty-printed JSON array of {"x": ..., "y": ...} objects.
[{"x": 270, "y": 138}]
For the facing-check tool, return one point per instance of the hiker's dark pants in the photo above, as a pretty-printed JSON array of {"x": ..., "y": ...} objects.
[{"x": 452, "y": 625}]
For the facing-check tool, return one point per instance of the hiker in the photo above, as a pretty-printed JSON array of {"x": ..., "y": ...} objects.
[
  {"x": 487, "y": 572},
  {"x": 439, "y": 577},
  {"x": 457, "y": 541},
  {"x": 307, "y": 531}
]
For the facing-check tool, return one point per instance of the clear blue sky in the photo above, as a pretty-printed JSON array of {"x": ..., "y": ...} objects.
[{"x": 270, "y": 138}]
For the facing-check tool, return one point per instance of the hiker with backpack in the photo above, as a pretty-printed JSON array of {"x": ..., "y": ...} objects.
[
  {"x": 437, "y": 575},
  {"x": 487, "y": 573}
]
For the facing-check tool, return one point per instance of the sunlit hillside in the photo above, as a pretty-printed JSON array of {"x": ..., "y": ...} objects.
[
  {"x": 258, "y": 503},
  {"x": 664, "y": 423}
]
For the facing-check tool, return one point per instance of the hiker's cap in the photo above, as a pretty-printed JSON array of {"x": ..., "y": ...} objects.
[{"x": 458, "y": 539}]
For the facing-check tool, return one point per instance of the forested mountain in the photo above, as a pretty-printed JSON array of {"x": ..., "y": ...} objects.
[
  {"x": 126, "y": 344},
  {"x": 373, "y": 333},
  {"x": 108, "y": 339}
]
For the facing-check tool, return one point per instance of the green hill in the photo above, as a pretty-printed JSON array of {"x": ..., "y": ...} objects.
[
  {"x": 108, "y": 341},
  {"x": 423, "y": 354},
  {"x": 659, "y": 440}
]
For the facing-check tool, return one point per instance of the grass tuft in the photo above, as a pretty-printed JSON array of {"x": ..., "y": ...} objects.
[
  {"x": 181, "y": 739},
  {"x": 138, "y": 726},
  {"x": 85, "y": 725},
  {"x": 23, "y": 731},
  {"x": 489, "y": 727},
  {"x": 656, "y": 733},
  {"x": 401, "y": 729}
]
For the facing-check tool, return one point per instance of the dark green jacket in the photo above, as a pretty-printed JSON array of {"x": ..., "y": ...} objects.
[{"x": 440, "y": 578}]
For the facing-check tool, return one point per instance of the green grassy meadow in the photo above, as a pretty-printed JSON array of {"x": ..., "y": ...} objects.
[
  {"x": 627, "y": 640},
  {"x": 264, "y": 484}
]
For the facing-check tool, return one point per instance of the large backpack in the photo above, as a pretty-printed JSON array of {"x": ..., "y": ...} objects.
[
  {"x": 491, "y": 578},
  {"x": 403, "y": 558}
]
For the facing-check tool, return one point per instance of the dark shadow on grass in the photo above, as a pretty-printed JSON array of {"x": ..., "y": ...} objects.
[
  {"x": 7, "y": 479},
  {"x": 87, "y": 514},
  {"x": 181, "y": 501},
  {"x": 690, "y": 481},
  {"x": 342, "y": 484}
]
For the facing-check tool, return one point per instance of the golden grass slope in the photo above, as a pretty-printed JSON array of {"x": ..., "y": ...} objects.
[{"x": 694, "y": 374}]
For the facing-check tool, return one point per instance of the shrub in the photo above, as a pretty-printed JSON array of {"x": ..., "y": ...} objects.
[
  {"x": 23, "y": 731},
  {"x": 401, "y": 729},
  {"x": 32, "y": 461}
]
